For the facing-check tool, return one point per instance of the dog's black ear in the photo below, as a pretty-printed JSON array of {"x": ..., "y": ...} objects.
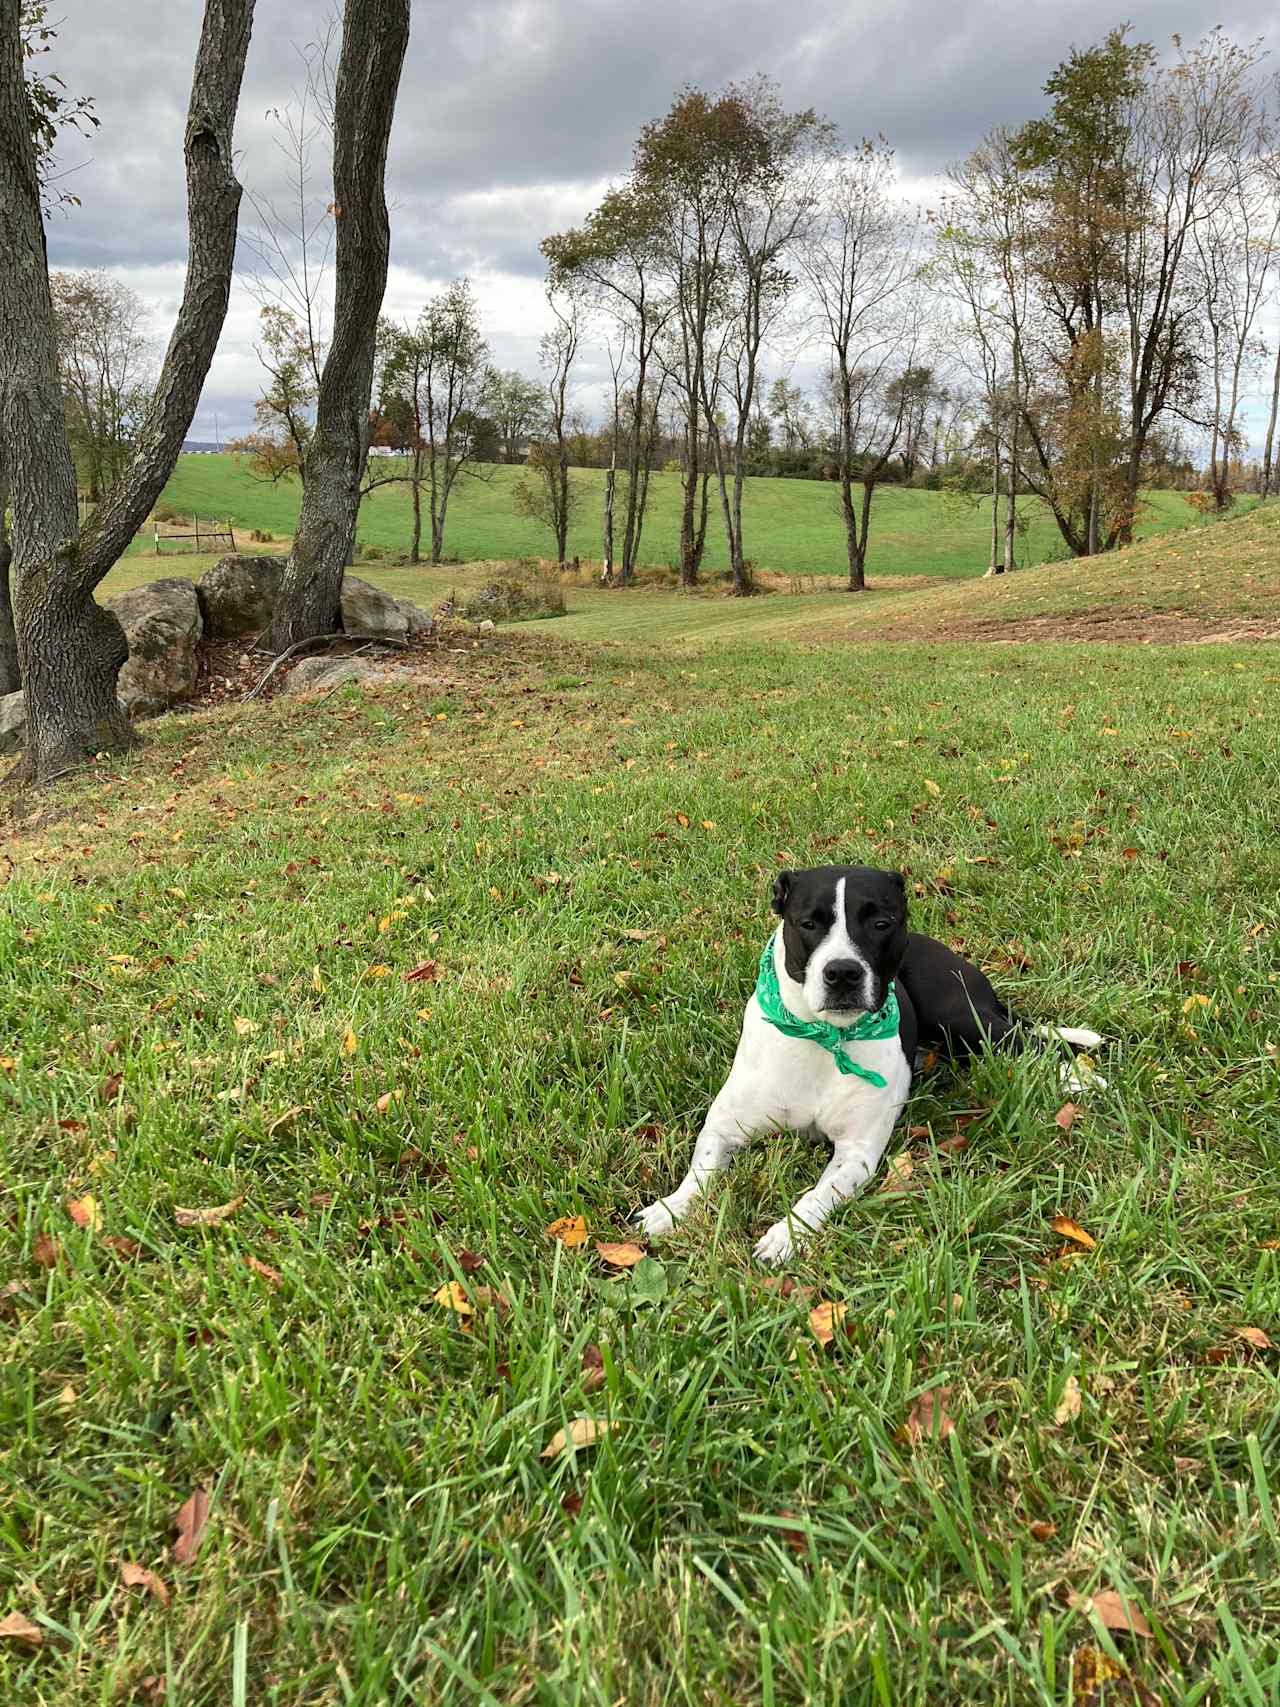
[
  {"x": 900, "y": 880},
  {"x": 781, "y": 889}
]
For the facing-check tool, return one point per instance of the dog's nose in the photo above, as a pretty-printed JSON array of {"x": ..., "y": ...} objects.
[{"x": 837, "y": 972}]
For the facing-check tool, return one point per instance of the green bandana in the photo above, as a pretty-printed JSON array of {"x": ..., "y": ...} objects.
[{"x": 882, "y": 1023}]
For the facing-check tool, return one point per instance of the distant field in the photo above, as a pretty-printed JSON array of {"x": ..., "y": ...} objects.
[{"x": 791, "y": 525}]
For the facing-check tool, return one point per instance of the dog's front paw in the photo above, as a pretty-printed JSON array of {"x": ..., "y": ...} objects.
[
  {"x": 656, "y": 1220},
  {"x": 777, "y": 1245}
]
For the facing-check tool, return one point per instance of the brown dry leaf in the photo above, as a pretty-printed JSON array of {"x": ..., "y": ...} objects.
[
  {"x": 490, "y": 1298},
  {"x": 385, "y": 1101},
  {"x": 1043, "y": 1530},
  {"x": 67, "y": 1397},
  {"x": 582, "y": 1431},
  {"x": 122, "y": 1245},
  {"x": 244, "y": 1027},
  {"x": 84, "y": 1211},
  {"x": 425, "y": 972},
  {"x": 452, "y": 1297},
  {"x": 1073, "y": 1230},
  {"x": 285, "y": 1119},
  {"x": 571, "y": 1230},
  {"x": 825, "y": 1319},
  {"x": 1069, "y": 1404},
  {"x": 1113, "y": 1610},
  {"x": 796, "y": 1539},
  {"x": 46, "y": 1251},
  {"x": 593, "y": 1374},
  {"x": 469, "y": 1261},
  {"x": 109, "y": 1089},
  {"x": 682, "y": 818},
  {"x": 1254, "y": 1337},
  {"x": 900, "y": 1174},
  {"x": 918, "y": 1132},
  {"x": 784, "y": 1286},
  {"x": 211, "y": 1217},
  {"x": 136, "y": 1576},
  {"x": 16, "y": 1628},
  {"x": 190, "y": 1520},
  {"x": 950, "y": 1146},
  {"x": 269, "y": 1274},
  {"x": 928, "y": 1417},
  {"x": 1067, "y": 1115},
  {"x": 620, "y": 1256}
]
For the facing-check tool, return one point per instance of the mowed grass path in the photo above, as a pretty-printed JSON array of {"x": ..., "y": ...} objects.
[
  {"x": 792, "y": 525},
  {"x": 203, "y": 1001}
]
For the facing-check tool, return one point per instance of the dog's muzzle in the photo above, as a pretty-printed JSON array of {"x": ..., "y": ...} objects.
[{"x": 845, "y": 985}]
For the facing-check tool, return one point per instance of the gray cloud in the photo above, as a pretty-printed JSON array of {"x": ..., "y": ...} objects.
[{"x": 512, "y": 113}]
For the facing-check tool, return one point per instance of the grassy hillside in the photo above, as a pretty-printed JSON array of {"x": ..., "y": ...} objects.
[{"x": 792, "y": 525}]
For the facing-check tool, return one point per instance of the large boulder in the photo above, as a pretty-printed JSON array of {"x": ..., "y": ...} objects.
[
  {"x": 13, "y": 723},
  {"x": 237, "y": 596},
  {"x": 368, "y": 611},
  {"x": 420, "y": 622},
  {"x": 320, "y": 675},
  {"x": 163, "y": 626}
]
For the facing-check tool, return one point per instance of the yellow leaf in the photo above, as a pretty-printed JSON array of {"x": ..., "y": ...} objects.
[
  {"x": 1196, "y": 1001},
  {"x": 571, "y": 1230},
  {"x": 824, "y": 1319},
  {"x": 350, "y": 1042},
  {"x": 620, "y": 1256},
  {"x": 1069, "y": 1405},
  {"x": 317, "y": 982},
  {"x": 452, "y": 1297},
  {"x": 379, "y": 971},
  {"x": 67, "y": 1397},
  {"x": 84, "y": 1212},
  {"x": 932, "y": 786},
  {"x": 8, "y": 1063},
  {"x": 245, "y": 1027},
  {"x": 1073, "y": 1230},
  {"x": 211, "y": 1217},
  {"x": 582, "y": 1431}
]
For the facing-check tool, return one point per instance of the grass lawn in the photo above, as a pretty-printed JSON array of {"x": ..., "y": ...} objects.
[
  {"x": 204, "y": 1005},
  {"x": 792, "y": 525}
]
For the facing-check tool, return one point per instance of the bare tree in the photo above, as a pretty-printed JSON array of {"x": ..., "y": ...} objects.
[
  {"x": 70, "y": 648},
  {"x": 375, "y": 34},
  {"x": 860, "y": 264},
  {"x": 546, "y": 492},
  {"x": 105, "y": 358}
]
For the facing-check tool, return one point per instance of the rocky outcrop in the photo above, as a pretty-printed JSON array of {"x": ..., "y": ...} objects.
[
  {"x": 368, "y": 610},
  {"x": 13, "y": 723},
  {"x": 237, "y": 596},
  {"x": 163, "y": 626},
  {"x": 319, "y": 675}
]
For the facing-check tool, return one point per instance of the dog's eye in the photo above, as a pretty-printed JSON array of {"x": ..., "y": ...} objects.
[
  {"x": 808, "y": 924},
  {"x": 882, "y": 925}
]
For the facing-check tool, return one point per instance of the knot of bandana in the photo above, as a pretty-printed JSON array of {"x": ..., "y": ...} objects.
[{"x": 882, "y": 1023}]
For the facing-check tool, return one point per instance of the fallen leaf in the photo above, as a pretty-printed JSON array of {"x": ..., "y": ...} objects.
[
  {"x": 593, "y": 1373},
  {"x": 785, "y": 1286},
  {"x": 570, "y": 1230},
  {"x": 317, "y": 982},
  {"x": 918, "y": 1132},
  {"x": 269, "y": 1274},
  {"x": 244, "y": 1027},
  {"x": 620, "y": 1256},
  {"x": 45, "y": 1251},
  {"x": 899, "y": 1175},
  {"x": 1043, "y": 1530},
  {"x": 155, "y": 1687},
  {"x": 825, "y": 1319},
  {"x": 932, "y": 787},
  {"x": 1069, "y": 1405},
  {"x": 469, "y": 1261},
  {"x": 1197, "y": 1001},
  {"x": 953, "y": 1145},
  {"x": 350, "y": 1042},
  {"x": 387, "y": 1098},
  {"x": 682, "y": 818},
  {"x": 136, "y": 1576},
  {"x": 425, "y": 972},
  {"x": 571, "y": 1503},
  {"x": 1067, "y": 1115},
  {"x": 109, "y": 1089},
  {"x": 1073, "y": 1230},
  {"x": 84, "y": 1212},
  {"x": 490, "y": 1298},
  {"x": 796, "y": 1539},
  {"x": 67, "y": 1397},
  {"x": 214, "y": 1216},
  {"x": 582, "y": 1431},
  {"x": 1113, "y": 1610},
  {"x": 451, "y": 1296},
  {"x": 190, "y": 1520},
  {"x": 928, "y": 1417},
  {"x": 285, "y": 1119},
  {"x": 16, "y": 1628},
  {"x": 1254, "y": 1337}
]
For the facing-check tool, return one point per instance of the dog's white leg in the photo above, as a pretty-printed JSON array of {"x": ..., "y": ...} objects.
[
  {"x": 857, "y": 1156},
  {"x": 722, "y": 1136},
  {"x": 1079, "y": 1036}
]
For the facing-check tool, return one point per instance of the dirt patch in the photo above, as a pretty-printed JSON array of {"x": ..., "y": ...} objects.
[
  {"x": 1116, "y": 627},
  {"x": 230, "y": 669}
]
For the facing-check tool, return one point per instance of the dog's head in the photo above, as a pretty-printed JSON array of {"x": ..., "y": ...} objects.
[{"x": 844, "y": 933}]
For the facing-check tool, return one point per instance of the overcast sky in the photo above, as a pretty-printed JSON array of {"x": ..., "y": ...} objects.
[{"x": 513, "y": 117}]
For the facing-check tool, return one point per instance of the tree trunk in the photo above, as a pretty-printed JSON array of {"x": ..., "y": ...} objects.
[
  {"x": 10, "y": 675},
  {"x": 374, "y": 37},
  {"x": 853, "y": 545},
  {"x": 71, "y": 649},
  {"x": 993, "y": 568},
  {"x": 690, "y": 548},
  {"x": 415, "y": 543},
  {"x": 1268, "y": 466},
  {"x": 611, "y": 475}
]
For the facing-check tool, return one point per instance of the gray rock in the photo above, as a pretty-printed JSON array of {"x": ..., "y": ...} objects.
[
  {"x": 319, "y": 675},
  {"x": 163, "y": 626},
  {"x": 420, "y": 622},
  {"x": 368, "y": 610},
  {"x": 487, "y": 626},
  {"x": 13, "y": 723},
  {"x": 238, "y": 594}
]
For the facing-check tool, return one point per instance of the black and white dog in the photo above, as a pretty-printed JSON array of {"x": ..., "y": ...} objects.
[{"x": 842, "y": 954}]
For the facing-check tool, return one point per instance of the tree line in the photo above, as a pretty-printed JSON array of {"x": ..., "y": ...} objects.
[{"x": 1087, "y": 298}]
